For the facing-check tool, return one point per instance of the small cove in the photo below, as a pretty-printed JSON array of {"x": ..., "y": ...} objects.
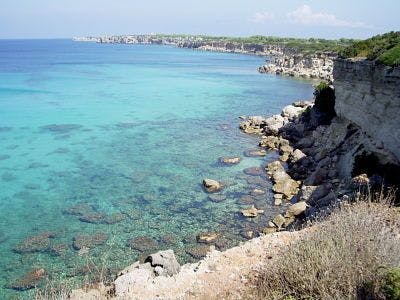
[{"x": 113, "y": 141}]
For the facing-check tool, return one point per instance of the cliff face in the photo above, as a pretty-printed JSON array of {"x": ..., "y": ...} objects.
[
  {"x": 317, "y": 65},
  {"x": 368, "y": 95}
]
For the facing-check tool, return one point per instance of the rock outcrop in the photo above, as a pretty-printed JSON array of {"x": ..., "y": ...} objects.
[{"x": 317, "y": 65}]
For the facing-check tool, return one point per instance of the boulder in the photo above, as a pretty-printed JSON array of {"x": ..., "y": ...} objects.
[
  {"x": 302, "y": 103},
  {"x": 207, "y": 237},
  {"x": 230, "y": 160},
  {"x": 165, "y": 261},
  {"x": 212, "y": 186},
  {"x": 279, "y": 220},
  {"x": 296, "y": 209},
  {"x": 288, "y": 187},
  {"x": 297, "y": 155},
  {"x": 278, "y": 199},
  {"x": 257, "y": 192},
  {"x": 255, "y": 153},
  {"x": 272, "y": 142},
  {"x": 313, "y": 193},
  {"x": 291, "y": 112},
  {"x": 251, "y": 212},
  {"x": 252, "y": 125},
  {"x": 274, "y": 124}
]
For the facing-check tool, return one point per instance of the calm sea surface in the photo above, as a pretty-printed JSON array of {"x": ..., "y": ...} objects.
[{"x": 108, "y": 143}]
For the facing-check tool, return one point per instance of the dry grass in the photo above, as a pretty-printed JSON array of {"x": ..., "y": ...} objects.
[{"x": 342, "y": 257}]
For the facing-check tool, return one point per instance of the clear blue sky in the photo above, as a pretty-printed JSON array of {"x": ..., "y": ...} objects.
[{"x": 297, "y": 18}]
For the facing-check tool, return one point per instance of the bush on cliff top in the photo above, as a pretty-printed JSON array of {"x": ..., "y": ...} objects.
[
  {"x": 325, "y": 102},
  {"x": 353, "y": 254},
  {"x": 383, "y": 48}
]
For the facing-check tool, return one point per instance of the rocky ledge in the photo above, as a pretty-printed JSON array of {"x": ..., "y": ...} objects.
[{"x": 213, "y": 276}]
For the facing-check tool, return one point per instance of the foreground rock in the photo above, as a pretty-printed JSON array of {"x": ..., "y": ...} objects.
[
  {"x": 215, "y": 275},
  {"x": 212, "y": 186},
  {"x": 164, "y": 263},
  {"x": 283, "y": 183}
]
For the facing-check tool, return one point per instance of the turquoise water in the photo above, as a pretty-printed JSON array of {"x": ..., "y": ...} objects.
[{"x": 128, "y": 132}]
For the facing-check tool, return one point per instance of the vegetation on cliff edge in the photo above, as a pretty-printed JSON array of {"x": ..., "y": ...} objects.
[
  {"x": 353, "y": 254},
  {"x": 384, "y": 49}
]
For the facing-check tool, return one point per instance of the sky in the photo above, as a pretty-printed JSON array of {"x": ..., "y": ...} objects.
[{"x": 289, "y": 18}]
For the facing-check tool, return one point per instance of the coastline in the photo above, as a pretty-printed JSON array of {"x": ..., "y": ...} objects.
[
  {"x": 283, "y": 60},
  {"x": 314, "y": 174}
]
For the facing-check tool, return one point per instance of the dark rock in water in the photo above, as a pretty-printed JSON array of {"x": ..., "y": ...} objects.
[
  {"x": 4, "y": 157},
  {"x": 36, "y": 243},
  {"x": 61, "y": 128},
  {"x": 126, "y": 125},
  {"x": 89, "y": 240},
  {"x": 32, "y": 186},
  {"x": 30, "y": 280},
  {"x": 257, "y": 181},
  {"x": 247, "y": 200},
  {"x": 58, "y": 249},
  {"x": 37, "y": 165},
  {"x": 143, "y": 244},
  {"x": 199, "y": 251},
  {"x": 254, "y": 171},
  {"x": 8, "y": 177},
  {"x": 255, "y": 153},
  {"x": 94, "y": 218},
  {"x": 60, "y": 151},
  {"x": 5, "y": 129},
  {"x": 3, "y": 237},
  {"x": 217, "y": 198},
  {"x": 114, "y": 218},
  {"x": 168, "y": 239},
  {"x": 79, "y": 209}
]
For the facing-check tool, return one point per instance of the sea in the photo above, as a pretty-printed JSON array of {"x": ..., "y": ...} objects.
[{"x": 103, "y": 149}]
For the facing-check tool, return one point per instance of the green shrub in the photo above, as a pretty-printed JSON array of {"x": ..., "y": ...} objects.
[
  {"x": 391, "y": 284},
  {"x": 384, "y": 49},
  {"x": 325, "y": 101}
]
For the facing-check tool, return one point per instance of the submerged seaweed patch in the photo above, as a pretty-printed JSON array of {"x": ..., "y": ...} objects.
[{"x": 61, "y": 128}]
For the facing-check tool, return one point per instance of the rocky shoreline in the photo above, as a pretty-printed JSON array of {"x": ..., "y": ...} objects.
[{"x": 283, "y": 60}]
